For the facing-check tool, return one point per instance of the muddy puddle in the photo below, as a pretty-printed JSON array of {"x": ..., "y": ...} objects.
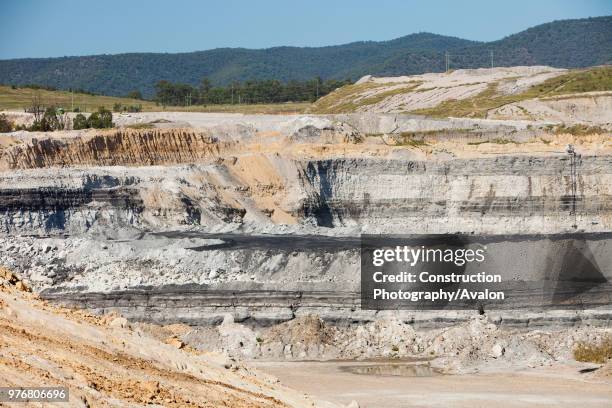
[
  {"x": 402, "y": 384},
  {"x": 399, "y": 370}
]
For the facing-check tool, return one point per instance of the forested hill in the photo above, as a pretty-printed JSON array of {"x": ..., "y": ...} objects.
[{"x": 567, "y": 43}]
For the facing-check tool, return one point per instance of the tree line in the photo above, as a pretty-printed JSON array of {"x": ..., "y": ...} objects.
[{"x": 248, "y": 92}]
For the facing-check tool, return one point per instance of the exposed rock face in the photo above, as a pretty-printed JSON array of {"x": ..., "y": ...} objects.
[
  {"x": 409, "y": 93},
  {"x": 503, "y": 194},
  {"x": 265, "y": 279},
  {"x": 51, "y": 209},
  {"x": 494, "y": 195},
  {"x": 520, "y": 93},
  {"x": 114, "y": 147},
  {"x": 264, "y": 224}
]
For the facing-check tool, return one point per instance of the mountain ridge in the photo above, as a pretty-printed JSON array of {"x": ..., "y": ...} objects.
[{"x": 563, "y": 43}]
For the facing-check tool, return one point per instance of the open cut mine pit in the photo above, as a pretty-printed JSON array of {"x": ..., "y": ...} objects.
[
  {"x": 261, "y": 217},
  {"x": 243, "y": 234},
  {"x": 424, "y": 221}
]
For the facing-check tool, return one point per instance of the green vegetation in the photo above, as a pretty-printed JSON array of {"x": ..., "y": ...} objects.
[
  {"x": 52, "y": 119},
  {"x": 135, "y": 94},
  {"x": 117, "y": 107},
  {"x": 80, "y": 122},
  {"x": 264, "y": 108},
  {"x": 413, "y": 143},
  {"x": 580, "y": 130},
  {"x": 249, "y": 92},
  {"x": 568, "y": 43},
  {"x": 594, "y": 79},
  {"x": 589, "y": 80},
  {"x": 21, "y": 98},
  {"x": 39, "y": 87},
  {"x": 101, "y": 119},
  {"x": 5, "y": 124},
  {"x": 46, "y": 118},
  {"x": 594, "y": 353},
  {"x": 343, "y": 99},
  {"x": 140, "y": 126}
]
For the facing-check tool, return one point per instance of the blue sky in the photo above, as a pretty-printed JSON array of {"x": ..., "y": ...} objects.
[{"x": 55, "y": 28}]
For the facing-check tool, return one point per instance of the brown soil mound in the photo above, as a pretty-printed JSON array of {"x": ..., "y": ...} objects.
[{"x": 105, "y": 363}]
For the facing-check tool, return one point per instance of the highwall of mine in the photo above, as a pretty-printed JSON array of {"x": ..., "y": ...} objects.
[
  {"x": 488, "y": 195},
  {"x": 263, "y": 221}
]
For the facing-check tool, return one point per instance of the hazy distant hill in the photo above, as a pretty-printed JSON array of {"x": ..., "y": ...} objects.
[{"x": 568, "y": 43}]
